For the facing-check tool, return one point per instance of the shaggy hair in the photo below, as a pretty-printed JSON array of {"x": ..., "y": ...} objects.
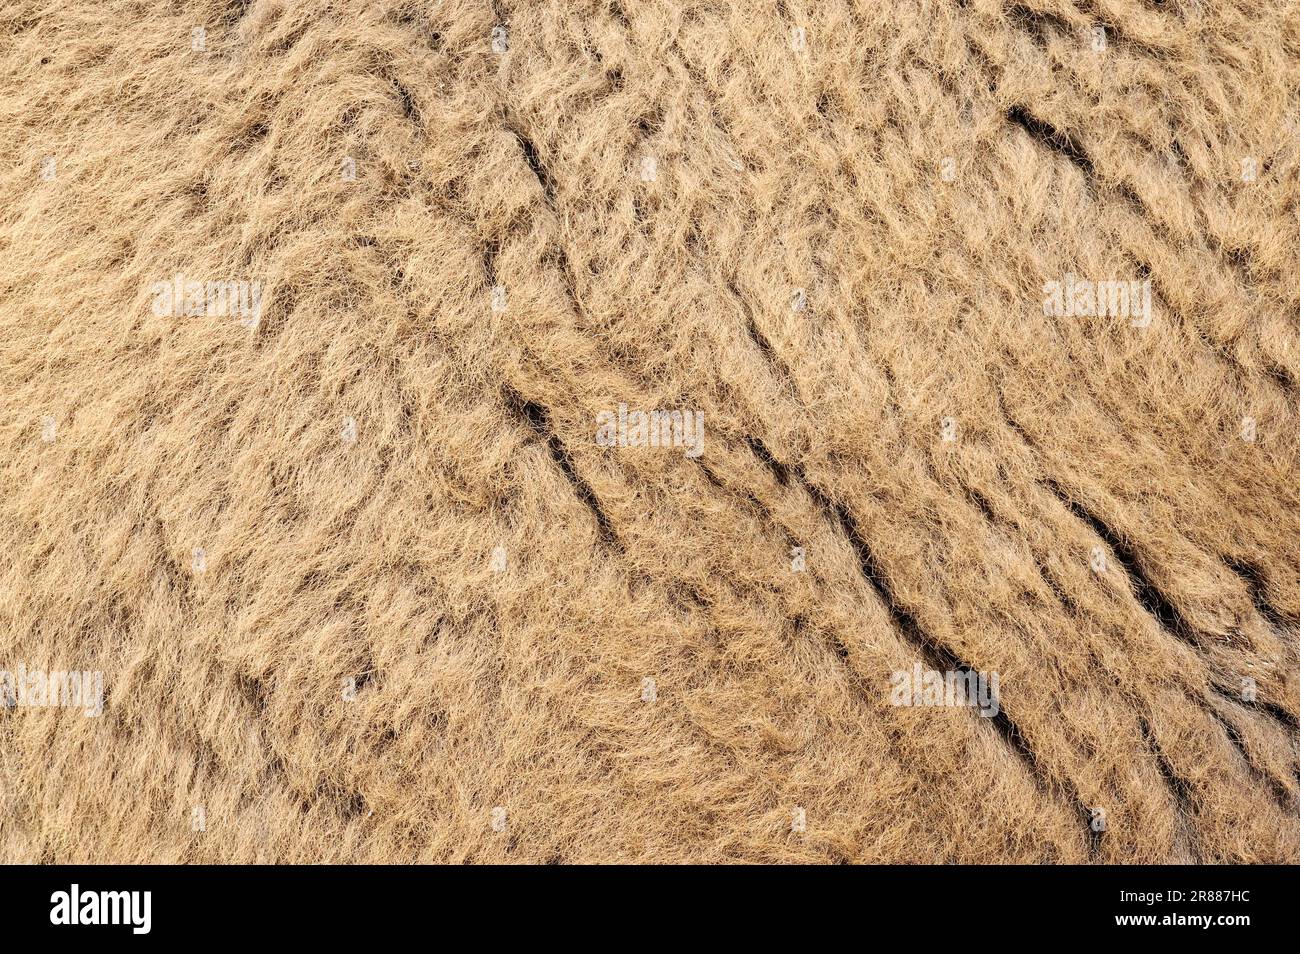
[{"x": 987, "y": 312}]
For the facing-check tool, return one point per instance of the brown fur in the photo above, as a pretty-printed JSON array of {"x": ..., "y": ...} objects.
[{"x": 775, "y": 169}]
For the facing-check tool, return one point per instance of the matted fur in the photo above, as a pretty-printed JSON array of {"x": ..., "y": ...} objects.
[{"x": 834, "y": 245}]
